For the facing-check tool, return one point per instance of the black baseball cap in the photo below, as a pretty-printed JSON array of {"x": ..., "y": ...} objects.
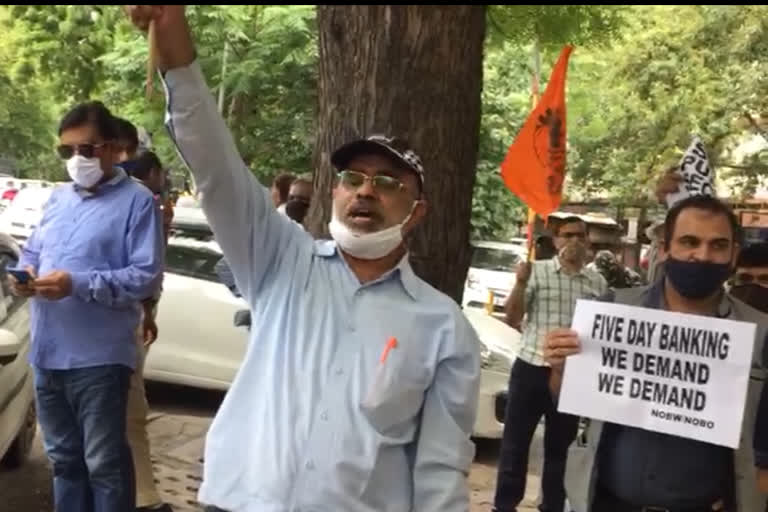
[{"x": 394, "y": 148}]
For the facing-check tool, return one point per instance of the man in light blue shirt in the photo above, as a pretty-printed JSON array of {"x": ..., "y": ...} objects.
[
  {"x": 358, "y": 391},
  {"x": 98, "y": 252}
]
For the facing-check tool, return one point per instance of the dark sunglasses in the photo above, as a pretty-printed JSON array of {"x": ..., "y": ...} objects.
[
  {"x": 381, "y": 182},
  {"x": 67, "y": 151}
]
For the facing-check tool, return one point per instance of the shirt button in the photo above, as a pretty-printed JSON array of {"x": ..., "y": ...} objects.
[
  {"x": 310, "y": 466},
  {"x": 339, "y": 371},
  {"x": 324, "y": 416}
]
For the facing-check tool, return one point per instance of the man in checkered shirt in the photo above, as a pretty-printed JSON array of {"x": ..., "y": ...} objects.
[{"x": 545, "y": 293}]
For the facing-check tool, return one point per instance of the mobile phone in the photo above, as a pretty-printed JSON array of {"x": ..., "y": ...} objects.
[{"x": 21, "y": 275}]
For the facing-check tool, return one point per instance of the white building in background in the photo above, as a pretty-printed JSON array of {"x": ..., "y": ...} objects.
[{"x": 749, "y": 146}]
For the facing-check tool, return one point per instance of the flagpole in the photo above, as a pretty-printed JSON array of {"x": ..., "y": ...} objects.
[
  {"x": 535, "y": 81},
  {"x": 534, "y": 166}
]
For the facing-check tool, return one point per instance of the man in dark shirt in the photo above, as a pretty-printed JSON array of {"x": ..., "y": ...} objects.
[
  {"x": 750, "y": 284},
  {"x": 145, "y": 168},
  {"x": 615, "y": 468}
]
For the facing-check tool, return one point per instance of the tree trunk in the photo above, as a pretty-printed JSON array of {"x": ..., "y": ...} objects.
[{"x": 415, "y": 72}]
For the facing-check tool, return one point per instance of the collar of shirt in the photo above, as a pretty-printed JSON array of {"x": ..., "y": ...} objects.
[
  {"x": 403, "y": 270},
  {"x": 559, "y": 266},
  {"x": 118, "y": 178},
  {"x": 655, "y": 299}
]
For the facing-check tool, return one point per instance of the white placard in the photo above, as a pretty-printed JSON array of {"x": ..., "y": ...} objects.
[
  {"x": 698, "y": 175},
  {"x": 675, "y": 373}
]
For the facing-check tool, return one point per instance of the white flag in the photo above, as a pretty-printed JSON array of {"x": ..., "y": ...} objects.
[{"x": 698, "y": 175}]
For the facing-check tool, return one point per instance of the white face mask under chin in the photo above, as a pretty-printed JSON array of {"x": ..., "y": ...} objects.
[
  {"x": 85, "y": 172},
  {"x": 367, "y": 246}
]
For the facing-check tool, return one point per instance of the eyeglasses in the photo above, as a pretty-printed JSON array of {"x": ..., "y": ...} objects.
[
  {"x": 67, "y": 151},
  {"x": 381, "y": 182},
  {"x": 568, "y": 236}
]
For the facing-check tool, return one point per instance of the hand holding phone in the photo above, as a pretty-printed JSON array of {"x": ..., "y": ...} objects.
[
  {"x": 22, "y": 276},
  {"x": 21, "y": 281}
]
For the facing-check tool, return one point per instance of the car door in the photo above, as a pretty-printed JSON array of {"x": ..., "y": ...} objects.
[
  {"x": 198, "y": 344},
  {"x": 15, "y": 375}
]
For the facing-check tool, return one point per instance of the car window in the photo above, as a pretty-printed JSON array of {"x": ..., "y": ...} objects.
[
  {"x": 495, "y": 259},
  {"x": 194, "y": 262}
]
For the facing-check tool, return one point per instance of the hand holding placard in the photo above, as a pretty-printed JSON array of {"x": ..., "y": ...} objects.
[{"x": 670, "y": 372}]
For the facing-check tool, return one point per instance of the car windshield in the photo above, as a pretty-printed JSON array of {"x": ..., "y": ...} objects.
[{"x": 495, "y": 259}]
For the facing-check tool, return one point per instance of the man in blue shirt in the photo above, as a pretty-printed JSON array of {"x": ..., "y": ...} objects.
[
  {"x": 97, "y": 252},
  {"x": 358, "y": 392}
]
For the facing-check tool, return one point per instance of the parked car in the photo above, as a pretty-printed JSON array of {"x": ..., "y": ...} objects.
[
  {"x": 199, "y": 344},
  {"x": 25, "y": 212},
  {"x": 499, "y": 344},
  {"x": 491, "y": 274},
  {"x": 18, "y": 421}
]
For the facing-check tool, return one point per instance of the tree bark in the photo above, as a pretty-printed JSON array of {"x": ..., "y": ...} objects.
[{"x": 414, "y": 72}]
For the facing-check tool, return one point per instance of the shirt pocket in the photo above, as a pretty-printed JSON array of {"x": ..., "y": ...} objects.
[{"x": 394, "y": 395}]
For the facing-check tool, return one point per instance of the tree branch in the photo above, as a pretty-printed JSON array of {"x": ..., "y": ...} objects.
[
  {"x": 755, "y": 126},
  {"x": 734, "y": 166}
]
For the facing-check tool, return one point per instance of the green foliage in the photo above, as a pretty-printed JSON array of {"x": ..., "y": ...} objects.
[
  {"x": 641, "y": 80},
  {"x": 61, "y": 43},
  {"x": 554, "y": 25},
  {"x": 269, "y": 82},
  {"x": 89, "y": 51},
  {"x": 24, "y": 130},
  {"x": 507, "y": 100},
  {"x": 506, "y": 103},
  {"x": 678, "y": 71}
]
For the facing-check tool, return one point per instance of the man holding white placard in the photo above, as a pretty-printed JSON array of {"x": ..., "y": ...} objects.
[{"x": 618, "y": 468}]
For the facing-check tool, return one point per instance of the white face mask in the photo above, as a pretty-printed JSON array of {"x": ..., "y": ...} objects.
[
  {"x": 367, "y": 246},
  {"x": 85, "y": 172}
]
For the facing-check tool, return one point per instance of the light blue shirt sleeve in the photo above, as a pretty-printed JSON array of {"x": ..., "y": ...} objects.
[
  {"x": 30, "y": 253},
  {"x": 254, "y": 237},
  {"x": 124, "y": 287},
  {"x": 445, "y": 451}
]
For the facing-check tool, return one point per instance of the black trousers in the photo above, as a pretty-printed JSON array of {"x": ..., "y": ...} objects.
[
  {"x": 528, "y": 400},
  {"x": 214, "y": 509}
]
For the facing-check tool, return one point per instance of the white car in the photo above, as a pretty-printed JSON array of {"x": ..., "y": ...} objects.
[
  {"x": 499, "y": 346},
  {"x": 25, "y": 212},
  {"x": 18, "y": 422},
  {"x": 199, "y": 346},
  {"x": 491, "y": 273}
]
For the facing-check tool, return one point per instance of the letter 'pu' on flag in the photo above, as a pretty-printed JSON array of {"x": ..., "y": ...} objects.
[{"x": 534, "y": 168}]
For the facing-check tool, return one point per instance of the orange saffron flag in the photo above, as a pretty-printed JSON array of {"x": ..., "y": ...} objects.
[{"x": 534, "y": 168}]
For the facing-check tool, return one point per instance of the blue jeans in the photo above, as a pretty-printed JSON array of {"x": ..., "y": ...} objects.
[{"x": 82, "y": 415}]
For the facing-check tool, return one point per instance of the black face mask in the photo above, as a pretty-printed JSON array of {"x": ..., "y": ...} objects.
[
  {"x": 753, "y": 294},
  {"x": 696, "y": 279}
]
